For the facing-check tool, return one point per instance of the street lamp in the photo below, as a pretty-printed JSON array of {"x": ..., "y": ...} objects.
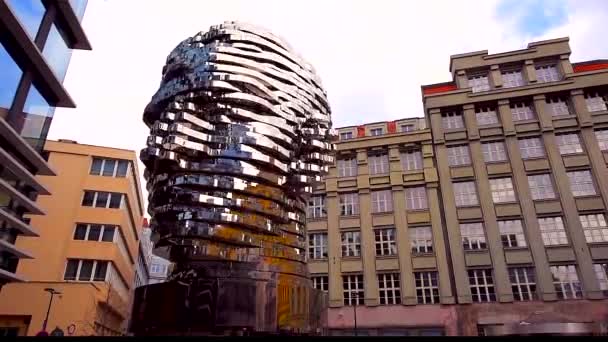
[
  {"x": 52, "y": 292},
  {"x": 355, "y": 295}
]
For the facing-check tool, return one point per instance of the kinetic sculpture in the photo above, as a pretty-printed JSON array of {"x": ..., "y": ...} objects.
[{"x": 240, "y": 132}]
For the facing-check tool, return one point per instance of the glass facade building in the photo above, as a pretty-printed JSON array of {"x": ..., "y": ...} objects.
[{"x": 36, "y": 40}]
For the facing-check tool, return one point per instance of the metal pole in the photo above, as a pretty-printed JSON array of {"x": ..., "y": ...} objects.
[{"x": 46, "y": 319}]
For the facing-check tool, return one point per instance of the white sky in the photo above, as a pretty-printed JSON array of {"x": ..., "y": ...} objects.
[{"x": 372, "y": 56}]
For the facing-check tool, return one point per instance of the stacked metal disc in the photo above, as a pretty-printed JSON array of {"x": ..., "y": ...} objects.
[{"x": 240, "y": 131}]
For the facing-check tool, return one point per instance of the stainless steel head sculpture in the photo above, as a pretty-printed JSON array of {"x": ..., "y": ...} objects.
[{"x": 240, "y": 131}]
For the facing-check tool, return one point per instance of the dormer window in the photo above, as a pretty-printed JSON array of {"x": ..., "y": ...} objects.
[
  {"x": 346, "y": 135},
  {"x": 376, "y": 131},
  {"x": 512, "y": 78},
  {"x": 547, "y": 73},
  {"x": 479, "y": 83}
]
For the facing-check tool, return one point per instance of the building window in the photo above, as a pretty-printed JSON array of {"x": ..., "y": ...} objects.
[
  {"x": 541, "y": 187},
  {"x": 595, "y": 227},
  {"x": 427, "y": 287},
  {"x": 347, "y": 167},
  {"x": 465, "y": 194},
  {"x": 376, "y": 131},
  {"x": 486, "y": 116},
  {"x": 109, "y": 167},
  {"x": 385, "y": 242},
  {"x": 565, "y": 280},
  {"x": 320, "y": 282},
  {"x": 596, "y": 101},
  {"x": 531, "y": 148},
  {"x": 102, "y": 199},
  {"x": 494, "y": 151},
  {"x": 86, "y": 270},
  {"x": 407, "y": 128},
  {"x": 346, "y": 135},
  {"x": 547, "y": 73},
  {"x": 481, "y": 285},
  {"x": 351, "y": 244},
  {"x": 349, "y": 204},
  {"x": 94, "y": 232},
  {"x": 421, "y": 239},
  {"x": 479, "y": 83},
  {"x": 521, "y": 111},
  {"x": 581, "y": 183},
  {"x": 523, "y": 283},
  {"x": 502, "y": 190},
  {"x": 411, "y": 160},
  {"x": 568, "y": 143},
  {"x": 459, "y": 155},
  {"x": 557, "y": 105},
  {"x": 473, "y": 236},
  {"x": 157, "y": 268},
  {"x": 354, "y": 293},
  {"x": 601, "y": 274},
  {"x": 382, "y": 201},
  {"x": 452, "y": 120},
  {"x": 512, "y": 233},
  {"x": 511, "y": 79},
  {"x": 602, "y": 139},
  {"x": 316, "y": 207},
  {"x": 415, "y": 198},
  {"x": 317, "y": 246},
  {"x": 389, "y": 288},
  {"x": 552, "y": 231},
  {"x": 378, "y": 164}
]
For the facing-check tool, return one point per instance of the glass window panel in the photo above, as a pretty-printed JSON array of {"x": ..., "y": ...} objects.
[
  {"x": 87, "y": 200},
  {"x": 56, "y": 53},
  {"x": 108, "y": 233},
  {"x": 86, "y": 270},
  {"x": 29, "y": 13},
  {"x": 94, "y": 232},
  {"x": 79, "y": 7},
  {"x": 96, "y": 166},
  {"x": 100, "y": 271},
  {"x": 123, "y": 166},
  {"x": 10, "y": 74},
  {"x": 108, "y": 167},
  {"x": 102, "y": 199},
  {"x": 115, "y": 200},
  {"x": 81, "y": 231},
  {"x": 71, "y": 269}
]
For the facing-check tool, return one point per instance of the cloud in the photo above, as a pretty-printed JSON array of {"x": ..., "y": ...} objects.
[{"x": 372, "y": 56}]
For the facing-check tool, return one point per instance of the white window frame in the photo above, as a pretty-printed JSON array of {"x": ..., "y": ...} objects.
[
  {"x": 427, "y": 287},
  {"x": 416, "y": 198},
  {"x": 353, "y": 289},
  {"x": 103, "y": 165},
  {"x": 547, "y": 73},
  {"x": 316, "y": 207},
  {"x": 317, "y": 246},
  {"x": 378, "y": 163},
  {"x": 101, "y": 231},
  {"x": 553, "y": 231},
  {"x": 569, "y": 143},
  {"x": 486, "y": 116},
  {"x": 349, "y": 204},
  {"x": 494, "y": 151},
  {"x": 452, "y": 120},
  {"x": 107, "y": 205},
  {"x": 93, "y": 270},
  {"x": 320, "y": 282},
  {"x": 602, "y": 138},
  {"x": 351, "y": 243},
  {"x": 382, "y": 201},
  {"x": 596, "y": 101},
  {"x": 531, "y": 148},
  {"x": 473, "y": 236},
  {"x": 512, "y": 78},
  {"x": 479, "y": 83},
  {"x": 512, "y": 234},
  {"x": 458, "y": 155},
  {"x": 522, "y": 111},
  {"x": 346, "y": 135},
  {"x": 523, "y": 283},
  {"x": 376, "y": 131},
  {"x": 482, "y": 281},
  {"x": 421, "y": 239},
  {"x": 541, "y": 186},
  {"x": 347, "y": 167},
  {"x": 566, "y": 282},
  {"x": 465, "y": 194},
  {"x": 581, "y": 183},
  {"x": 594, "y": 227},
  {"x": 386, "y": 243},
  {"x": 601, "y": 274},
  {"x": 389, "y": 288},
  {"x": 411, "y": 160},
  {"x": 410, "y": 128},
  {"x": 502, "y": 190},
  {"x": 558, "y": 106}
]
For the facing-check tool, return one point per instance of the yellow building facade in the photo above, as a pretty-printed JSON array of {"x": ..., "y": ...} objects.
[{"x": 87, "y": 247}]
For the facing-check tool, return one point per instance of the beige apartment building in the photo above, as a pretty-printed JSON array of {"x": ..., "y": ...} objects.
[
  {"x": 87, "y": 246},
  {"x": 488, "y": 216}
]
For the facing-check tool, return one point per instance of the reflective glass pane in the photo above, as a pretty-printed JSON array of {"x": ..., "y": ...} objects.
[
  {"x": 79, "y": 7},
  {"x": 29, "y": 13},
  {"x": 70, "y": 271},
  {"x": 57, "y": 53},
  {"x": 87, "y": 200},
  {"x": 102, "y": 199},
  {"x": 96, "y": 166},
  {"x": 85, "y": 270},
  {"x": 100, "y": 271},
  {"x": 94, "y": 232},
  {"x": 10, "y": 74},
  {"x": 123, "y": 165},
  {"x": 108, "y": 167},
  {"x": 115, "y": 200},
  {"x": 108, "y": 234},
  {"x": 81, "y": 232}
]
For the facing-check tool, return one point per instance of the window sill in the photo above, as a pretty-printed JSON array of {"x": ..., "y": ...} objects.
[
  {"x": 505, "y": 203},
  {"x": 454, "y": 130},
  {"x": 414, "y": 211},
  {"x": 556, "y": 246},
  {"x": 419, "y": 255},
  {"x": 572, "y": 154},
  {"x": 524, "y": 87},
  {"x": 586, "y": 196},
  {"x": 515, "y": 248},
  {"x": 544, "y": 200},
  {"x": 384, "y": 213},
  {"x": 349, "y": 216},
  {"x": 495, "y": 125},
  {"x": 318, "y": 260},
  {"x": 598, "y": 244},
  {"x": 351, "y": 258},
  {"x": 599, "y": 112},
  {"x": 316, "y": 219},
  {"x": 561, "y": 117},
  {"x": 387, "y": 257},
  {"x": 524, "y": 122},
  {"x": 347, "y": 177},
  {"x": 476, "y": 251}
]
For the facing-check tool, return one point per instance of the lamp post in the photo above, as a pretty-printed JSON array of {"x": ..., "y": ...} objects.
[
  {"x": 356, "y": 297},
  {"x": 53, "y": 292}
]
